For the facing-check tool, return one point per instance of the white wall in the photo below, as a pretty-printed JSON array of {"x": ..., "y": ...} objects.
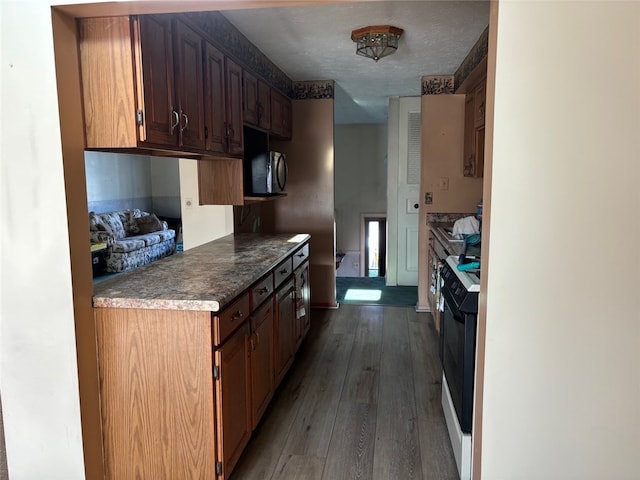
[
  {"x": 165, "y": 186},
  {"x": 562, "y": 378},
  {"x": 360, "y": 179},
  {"x": 200, "y": 223},
  {"x": 116, "y": 181},
  {"x": 38, "y": 371}
]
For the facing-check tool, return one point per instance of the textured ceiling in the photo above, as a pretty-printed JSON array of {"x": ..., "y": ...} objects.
[{"x": 314, "y": 43}]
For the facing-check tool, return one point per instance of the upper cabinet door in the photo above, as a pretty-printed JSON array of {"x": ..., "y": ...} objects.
[
  {"x": 233, "y": 83},
  {"x": 189, "y": 86},
  {"x": 250, "y": 103},
  {"x": 469, "y": 130},
  {"x": 214, "y": 101},
  {"x": 280, "y": 115},
  {"x": 160, "y": 116},
  {"x": 480, "y": 104},
  {"x": 264, "y": 105}
]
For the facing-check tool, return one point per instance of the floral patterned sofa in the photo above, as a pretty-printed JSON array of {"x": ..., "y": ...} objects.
[{"x": 134, "y": 238}]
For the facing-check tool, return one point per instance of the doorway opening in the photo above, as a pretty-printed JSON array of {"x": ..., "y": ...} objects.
[{"x": 375, "y": 246}]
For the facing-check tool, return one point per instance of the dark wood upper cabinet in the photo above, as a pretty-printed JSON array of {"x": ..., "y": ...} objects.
[
  {"x": 479, "y": 104},
  {"x": 142, "y": 84},
  {"x": 469, "y": 147},
  {"x": 189, "y": 86},
  {"x": 474, "y": 119},
  {"x": 250, "y": 101},
  {"x": 215, "y": 108},
  {"x": 264, "y": 105},
  {"x": 223, "y": 103},
  {"x": 158, "y": 113},
  {"x": 280, "y": 115},
  {"x": 257, "y": 102},
  {"x": 233, "y": 76}
]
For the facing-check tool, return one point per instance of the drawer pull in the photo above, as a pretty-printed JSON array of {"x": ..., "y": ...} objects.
[
  {"x": 263, "y": 290},
  {"x": 300, "y": 255},
  {"x": 237, "y": 316},
  {"x": 284, "y": 271}
]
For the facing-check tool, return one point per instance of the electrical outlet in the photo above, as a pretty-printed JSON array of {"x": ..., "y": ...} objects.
[
  {"x": 443, "y": 183},
  {"x": 428, "y": 198},
  {"x": 356, "y": 265}
]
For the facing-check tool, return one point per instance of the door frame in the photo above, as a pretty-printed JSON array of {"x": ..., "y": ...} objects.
[{"x": 363, "y": 242}]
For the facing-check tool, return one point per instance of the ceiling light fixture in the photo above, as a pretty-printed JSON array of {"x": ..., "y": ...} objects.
[{"x": 376, "y": 41}]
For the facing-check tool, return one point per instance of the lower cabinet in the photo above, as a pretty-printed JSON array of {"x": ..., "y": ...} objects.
[
  {"x": 261, "y": 343},
  {"x": 284, "y": 341},
  {"x": 303, "y": 303},
  {"x": 232, "y": 375},
  {"x": 182, "y": 391}
]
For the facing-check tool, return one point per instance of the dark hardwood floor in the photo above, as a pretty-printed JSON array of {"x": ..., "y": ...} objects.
[{"x": 362, "y": 401}]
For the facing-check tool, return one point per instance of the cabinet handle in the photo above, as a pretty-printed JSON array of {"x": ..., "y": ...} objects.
[
  {"x": 186, "y": 122},
  {"x": 237, "y": 316},
  {"x": 300, "y": 255},
  {"x": 259, "y": 111},
  {"x": 263, "y": 290},
  {"x": 226, "y": 135},
  {"x": 231, "y": 132},
  {"x": 176, "y": 116},
  {"x": 284, "y": 271}
]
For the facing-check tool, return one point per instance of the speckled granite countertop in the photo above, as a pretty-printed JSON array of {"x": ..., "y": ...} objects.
[{"x": 204, "y": 278}]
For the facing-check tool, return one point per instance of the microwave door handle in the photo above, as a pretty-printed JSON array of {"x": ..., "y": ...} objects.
[{"x": 286, "y": 173}]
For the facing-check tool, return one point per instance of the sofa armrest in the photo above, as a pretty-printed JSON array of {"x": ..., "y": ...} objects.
[{"x": 102, "y": 237}]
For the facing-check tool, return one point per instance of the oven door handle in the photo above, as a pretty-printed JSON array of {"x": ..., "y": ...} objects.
[{"x": 451, "y": 306}]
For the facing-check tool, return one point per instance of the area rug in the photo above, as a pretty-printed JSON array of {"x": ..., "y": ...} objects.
[{"x": 373, "y": 291}]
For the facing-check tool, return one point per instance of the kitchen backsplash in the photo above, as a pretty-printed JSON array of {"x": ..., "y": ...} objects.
[{"x": 446, "y": 217}]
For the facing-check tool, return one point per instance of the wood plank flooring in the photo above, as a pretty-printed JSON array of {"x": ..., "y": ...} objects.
[{"x": 362, "y": 401}]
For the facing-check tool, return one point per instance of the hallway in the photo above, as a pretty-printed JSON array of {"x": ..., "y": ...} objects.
[{"x": 362, "y": 401}]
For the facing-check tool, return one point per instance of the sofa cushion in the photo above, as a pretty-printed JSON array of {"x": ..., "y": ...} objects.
[
  {"x": 112, "y": 220},
  {"x": 129, "y": 244},
  {"x": 166, "y": 234},
  {"x": 129, "y": 220},
  {"x": 148, "y": 224}
]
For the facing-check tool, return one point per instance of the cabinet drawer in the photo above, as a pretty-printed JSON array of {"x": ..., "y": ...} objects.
[
  {"x": 300, "y": 256},
  {"x": 261, "y": 291},
  {"x": 227, "y": 321},
  {"x": 282, "y": 272}
]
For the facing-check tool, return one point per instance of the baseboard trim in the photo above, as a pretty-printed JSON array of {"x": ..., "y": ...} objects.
[
  {"x": 423, "y": 308},
  {"x": 331, "y": 306}
]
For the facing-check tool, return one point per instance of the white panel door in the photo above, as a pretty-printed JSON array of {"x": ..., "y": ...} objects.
[{"x": 408, "y": 190}]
